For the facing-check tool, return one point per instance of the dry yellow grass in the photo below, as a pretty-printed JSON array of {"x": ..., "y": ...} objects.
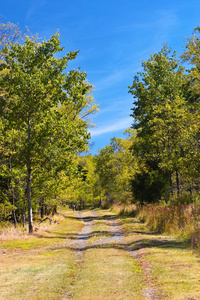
[
  {"x": 11, "y": 233},
  {"x": 124, "y": 208}
]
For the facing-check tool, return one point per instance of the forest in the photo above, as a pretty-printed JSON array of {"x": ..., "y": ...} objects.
[{"x": 45, "y": 116}]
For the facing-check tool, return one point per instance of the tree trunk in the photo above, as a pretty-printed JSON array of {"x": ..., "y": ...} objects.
[
  {"x": 171, "y": 182},
  {"x": 177, "y": 185},
  {"x": 54, "y": 210},
  {"x": 24, "y": 213},
  {"x": 30, "y": 214},
  {"x": 13, "y": 195},
  {"x": 13, "y": 203},
  {"x": 42, "y": 209},
  {"x": 29, "y": 171}
]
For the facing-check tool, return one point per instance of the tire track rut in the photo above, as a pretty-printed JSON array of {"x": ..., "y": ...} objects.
[{"x": 80, "y": 245}]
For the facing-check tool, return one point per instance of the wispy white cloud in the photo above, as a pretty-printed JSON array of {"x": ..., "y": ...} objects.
[
  {"x": 161, "y": 18},
  {"x": 114, "y": 78},
  {"x": 116, "y": 104},
  {"x": 107, "y": 128},
  {"x": 109, "y": 80},
  {"x": 34, "y": 7}
]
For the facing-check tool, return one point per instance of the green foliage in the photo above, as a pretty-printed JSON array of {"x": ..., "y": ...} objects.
[
  {"x": 44, "y": 121},
  {"x": 84, "y": 190},
  {"x": 150, "y": 184},
  {"x": 166, "y": 147},
  {"x": 6, "y": 210},
  {"x": 114, "y": 169}
]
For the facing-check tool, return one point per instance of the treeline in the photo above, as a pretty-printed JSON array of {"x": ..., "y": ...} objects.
[
  {"x": 44, "y": 110},
  {"x": 167, "y": 123},
  {"x": 104, "y": 177}
]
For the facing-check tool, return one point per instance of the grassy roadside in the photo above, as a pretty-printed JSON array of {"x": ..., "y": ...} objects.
[
  {"x": 168, "y": 263},
  {"x": 43, "y": 266},
  {"x": 39, "y": 266},
  {"x": 145, "y": 265}
]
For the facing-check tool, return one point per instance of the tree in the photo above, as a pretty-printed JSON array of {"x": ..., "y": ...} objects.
[
  {"x": 163, "y": 117},
  {"x": 192, "y": 55},
  {"x": 44, "y": 104}
]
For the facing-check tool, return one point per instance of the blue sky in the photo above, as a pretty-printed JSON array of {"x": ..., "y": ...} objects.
[{"x": 113, "y": 37}]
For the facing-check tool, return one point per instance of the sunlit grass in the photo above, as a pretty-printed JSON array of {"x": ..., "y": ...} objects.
[
  {"x": 124, "y": 209},
  {"x": 39, "y": 266},
  {"x": 100, "y": 230},
  {"x": 177, "y": 272},
  {"x": 108, "y": 274},
  {"x": 36, "y": 275},
  {"x": 174, "y": 267},
  {"x": 45, "y": 266},
  {"x": 66, "y": 228}
]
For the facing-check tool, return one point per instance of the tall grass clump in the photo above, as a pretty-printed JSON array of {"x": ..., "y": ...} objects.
[
  {"x": 182, "y": 220},
  {"x": 124, "y": 209}
]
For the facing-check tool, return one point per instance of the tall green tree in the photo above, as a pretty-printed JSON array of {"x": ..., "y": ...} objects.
[
  {"x": 44, "y": 103},
  {"x": 192, "y": 56},
  {"x": 163, "y": 117}
]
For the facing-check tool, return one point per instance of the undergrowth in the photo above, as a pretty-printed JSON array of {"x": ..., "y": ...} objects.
[
  {"x": 180, "y": 220},
  {"x": 125, "y": 209},
  {"x": 9, "y": 233}
]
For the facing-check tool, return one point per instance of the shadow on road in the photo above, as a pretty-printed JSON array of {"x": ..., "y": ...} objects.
[{"x": 114, "y": 238}]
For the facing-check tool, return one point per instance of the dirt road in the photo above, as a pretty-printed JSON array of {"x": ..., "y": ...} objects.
[{"x": 101, "y": 233}]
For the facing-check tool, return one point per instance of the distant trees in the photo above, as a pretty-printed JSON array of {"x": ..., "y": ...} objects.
[
  {"x": 84, "y": 190},
  {"x": 113, "y": 165},
  {"x": 160, "y": 158},
  {"x": 105, "y": 177}
]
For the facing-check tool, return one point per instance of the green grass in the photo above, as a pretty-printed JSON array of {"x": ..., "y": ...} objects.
[
  {"x": 44, "y": 266},
  {"x": 36, "y": 276},
  {"x": 100, "y": 231},
  {"x": 177, "y": 272},
  {"x": 174, "y": 269},
  {"x": 39, "y": 266},
  {"x": 47, "y": 235},
  {"x": 108, "y": 274}
]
